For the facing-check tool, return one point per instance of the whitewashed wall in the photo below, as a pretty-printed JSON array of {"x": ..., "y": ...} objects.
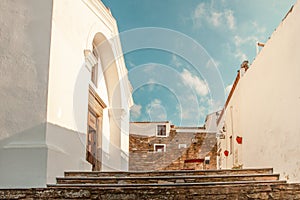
[
  {"x": 24, "y": 61},
  {"x": 231, "y": 121},
  {"x": 265, "y": 107},
  {"x": 44, "y": 104},
  {"x": 147, "y": 128},
  {"x": 75, "y": 25},
  {"x": 211, "y": 121}
]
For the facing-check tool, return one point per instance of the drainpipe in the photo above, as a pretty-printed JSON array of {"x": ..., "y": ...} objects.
[{"x": 232, "y": 133}]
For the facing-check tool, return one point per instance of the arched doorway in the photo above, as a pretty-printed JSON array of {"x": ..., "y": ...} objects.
[{"x": 106, "y": 64}]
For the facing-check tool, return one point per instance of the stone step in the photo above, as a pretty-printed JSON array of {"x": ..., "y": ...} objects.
[
  {"x": 168, "y": 179},
  {"x": 149, "y": 186},
  {"x": 277, "y": 190},
  {"x": 166, "y": 173}
]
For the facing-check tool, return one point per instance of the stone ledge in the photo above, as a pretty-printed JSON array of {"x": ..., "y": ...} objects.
[
  {"x": 145, "y": 186},
  {"x": 171, "y": 179}
]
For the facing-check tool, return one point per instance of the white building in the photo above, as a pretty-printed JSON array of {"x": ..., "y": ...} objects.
[
  {"x": 65, "y": 95},
  {"x": 260, "y": 123},
  {"x": 211, "y": 121},
  {"x": 149, "y": 129}
]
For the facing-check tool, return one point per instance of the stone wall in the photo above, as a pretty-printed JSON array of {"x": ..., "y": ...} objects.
[{"x": 183, "y": 151}]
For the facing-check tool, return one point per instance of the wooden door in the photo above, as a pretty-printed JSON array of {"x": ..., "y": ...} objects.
[
  {"x": 94, "y": 132},
  {"x": 91, "y": 155}
]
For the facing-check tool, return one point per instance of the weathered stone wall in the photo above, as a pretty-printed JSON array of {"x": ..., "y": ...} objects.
[{"x": 198, "y": 145}]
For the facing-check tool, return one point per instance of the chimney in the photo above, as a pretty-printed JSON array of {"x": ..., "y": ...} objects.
[{"x": 258, "y": 44}]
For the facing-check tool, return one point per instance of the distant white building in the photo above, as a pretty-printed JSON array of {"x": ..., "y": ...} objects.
[
  {"x": 65, "y": 95},
  {"x": 211, "y": 121},
  {"x": 259, "y": 126},
  {"x": 163, "y": 128},
  {"x": 149, "y": 129}
]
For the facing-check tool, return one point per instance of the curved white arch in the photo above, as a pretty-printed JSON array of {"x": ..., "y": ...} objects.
[{"x": 112, "y": 79}]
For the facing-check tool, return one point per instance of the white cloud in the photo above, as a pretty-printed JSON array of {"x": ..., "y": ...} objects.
[
  {"x": 175, "y": 61},
  {"x": 197, "y": 114},
  {"x": 228, "y": 88},
  {"x": 240, "y": 55},
  {"x": 136, "y": 110},
  {"x": 214, "y": 105},
  {"x": 155, "y": 102},
  {"x": 239, "y": 41},
  {"x": 187, "y": 109},
  {"x": 200, "y": 10},
  {"x": 228, "y": 14},
  {"x": 156, "y": 111},
  {"x": 190, "y": 113},
  {"x": 246, "y": 38},
  {"x": 258, "y": 28},
  {"x": 216, "y": 18},
  {"x": 202, "y": 111},
  {"x": 200, "y": 15},
  {"x": 235, "y": 52},
  {"x": 150, "y": 67},
  {"x": 194, "y": 82},
  {"x": 205, "y": 13}
]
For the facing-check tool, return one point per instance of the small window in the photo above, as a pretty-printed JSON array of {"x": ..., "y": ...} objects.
[
  {"x": 94, "y": 74},
  {"x": 207, "y": 160},
  {"x": 159, "y": 147},
  {"x": 161, "y": 130}
]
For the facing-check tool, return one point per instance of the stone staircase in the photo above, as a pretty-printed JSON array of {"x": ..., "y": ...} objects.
[{"x": 183, "y": 184}]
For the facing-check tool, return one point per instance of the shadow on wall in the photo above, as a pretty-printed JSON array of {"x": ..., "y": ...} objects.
[
  {"x": 30, "y": 159},
  {"x": 23, "y": 158}
]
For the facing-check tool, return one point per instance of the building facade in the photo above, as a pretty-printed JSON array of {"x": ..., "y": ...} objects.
[
  {"x": 65, "y": 94},
  {"x": 162, "y": 146},
  {"x": 259, "y": 124}
]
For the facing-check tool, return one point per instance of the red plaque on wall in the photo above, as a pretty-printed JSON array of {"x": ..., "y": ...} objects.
[
  {"x": 226, "y": 153},
  {"x": 239, "y": 139}
]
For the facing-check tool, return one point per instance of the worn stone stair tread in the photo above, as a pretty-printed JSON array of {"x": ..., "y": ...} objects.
[
  {"x": 278, "y": 191},
  {"x": 169, "y": 177},
  {"x": 133, "y": 173},
  {"x": 165, "y": 185},
  {"x": 229, "y": 184}
]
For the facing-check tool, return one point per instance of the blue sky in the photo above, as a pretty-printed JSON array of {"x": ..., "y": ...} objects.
[{"x": 206, "y": 43}]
